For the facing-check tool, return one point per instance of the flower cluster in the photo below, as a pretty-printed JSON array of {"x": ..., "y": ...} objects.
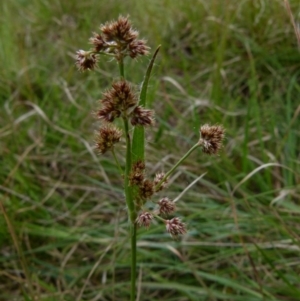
[
  {"x": 107, "y": 137},
  {"x": 144, "y": 219},
  {"x": 137, "y": 174},
  {"x": 117, "y": 39},
  {"x": 166, "y": 206},
  {"x": 211, "y": 138},
  {"x": 175, "y": 227},
  {"x": 146, "y": 189},
  {"x": 160, "y": 182},
  {"x": 86, "y": 60},
  {"x": 145, "y": 186},
  {"x": 121, "y": 101}
]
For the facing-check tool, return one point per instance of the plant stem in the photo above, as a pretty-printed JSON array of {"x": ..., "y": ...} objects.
[
  {"x": 133, "y": 261},
  {"x": 131, "y": 209},
  {"x": 129, "y": 197},
  {"x": 176, "y": 165},
  {"x": 121, "y": 68},
  {"x": 127, "y": 187}
]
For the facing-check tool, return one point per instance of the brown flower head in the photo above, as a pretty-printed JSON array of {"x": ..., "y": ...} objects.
[
  {"x": 146, "y": 189},
  {"x": 211, "y": 138},
  {"x": 107, "y": 137},
  {"x": 98, "y": 42},
  {"x": 166, "y": 206},
  {"x": 117, "y": 39},
  {"x": 120, "y": 30},
  {"x": 137, "y": 173},
  {"x": 138, "y": 47},
  {"x": 121, "y": 39},
  {"x": 142, "y": 116},
  {"x": 117, "y": 101},
  {"x": 157, "y": 179},
  {"x": 108, "y": 113},
  {"x": 86, "y": 60},
  {"x": 175, "y": 227},
  {"x": 144, "y": 219}
]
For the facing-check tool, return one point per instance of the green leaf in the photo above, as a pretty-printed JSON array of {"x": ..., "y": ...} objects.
[{"x": 138, "y": 140}]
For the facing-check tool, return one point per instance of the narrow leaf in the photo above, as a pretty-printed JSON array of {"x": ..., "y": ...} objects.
[{"x": 138, "y": 140}]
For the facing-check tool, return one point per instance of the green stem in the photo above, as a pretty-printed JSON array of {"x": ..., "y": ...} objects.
[
  {"x": 176, "y": 165},
  {"x": 129, "y": 197},
  {"x": 133, "y": 261},
  {"x": 131, "y": 209},
  {"x": 160, "y": 218},
  {"x": 128, "y": 188},
  {"x": 121, "y": 68}
]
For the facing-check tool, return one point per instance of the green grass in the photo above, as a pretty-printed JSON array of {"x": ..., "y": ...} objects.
[{"x": 230, "y": 62}]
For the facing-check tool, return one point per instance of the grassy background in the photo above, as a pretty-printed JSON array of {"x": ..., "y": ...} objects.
[{"x": 64, "y": 234}]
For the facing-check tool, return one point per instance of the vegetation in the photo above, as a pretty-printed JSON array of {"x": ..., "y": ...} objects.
[{"x": 63, "y": 228}]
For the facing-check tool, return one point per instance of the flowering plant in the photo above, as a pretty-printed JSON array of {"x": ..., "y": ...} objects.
[{"x": 118, "y": 40}]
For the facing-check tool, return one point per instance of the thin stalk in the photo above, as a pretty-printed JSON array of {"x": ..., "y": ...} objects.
[
  {"x": 176, "y": 165},
  {"x": 121, "y": 68},
  {"x": 129, "y": 197},
  {"x": 128, "y": 188},
  {"x": 133, "y": 261},
  {"x": 131, "y": 209}
]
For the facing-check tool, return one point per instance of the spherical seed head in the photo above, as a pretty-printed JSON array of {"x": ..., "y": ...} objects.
[
  {"x": 120, "y": 30},
  {"x": 119, "y": 100},
  {"x": 211, "y": 138},
  {"x": 107, "y": 137},
  {"x": 139, "y": 166},
  {"x": 121, "y": 96},
  {"x": 158, "y": 178},
  {"x": 138, "y": 47},
  {"x": 175, "y": 227},
  {"x": 144, "y": 219},
  {"x": 166, "y": 206},
  {"x": 98, "y": 42},
  {"x": 137, "y": 174},
  {"x": 121, "y": 39},
  {"x": 86, "y": 60},
  {"x": 141, "y": 116},
  {"x": 108, "y": 112},
  {"x": 146, "y": 189}
]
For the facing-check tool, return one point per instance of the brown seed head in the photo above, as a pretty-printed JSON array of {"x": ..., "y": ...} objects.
[
  {"x": 175, "y": 227},
  {"x": 166, "y": 206},
  {"x": 144, "y": 219},
  {"x": 117, "y": 39},
  {"x": 108, "y": 112},
  {"x": 122, "y": 96},
  {"x": 211, "y": 138},
  {"x": 139, "y": 166},
  {"x": 107, "y": 137},
  {"x": 86, "y": 60},
  {"x": 119, "y": 31},
  {"x": 121, "y": 39},
  {"x": 142, "y": 116},
  {"x": 117, "y": 101},
  {"x": 158, "y": 178},
  {"x": 98, "y": 42},
  {"x": 138, "y": 47},
  {"x": 137, "y": 173},
  {"x": 146, "y": 189}
]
